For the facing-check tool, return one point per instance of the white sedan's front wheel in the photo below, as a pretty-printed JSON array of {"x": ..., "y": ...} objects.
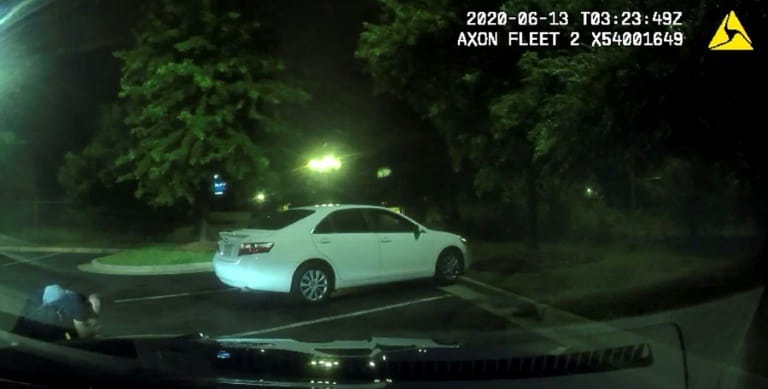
[
  {"x": 448, "y": 268},
  {"x": 312, "y": 283}
]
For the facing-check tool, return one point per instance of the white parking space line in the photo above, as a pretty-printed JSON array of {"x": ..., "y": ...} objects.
[
  {"x": 20, "y": 260},
  {"x": 338, "y": 317},
  {"x": 174, "y": 295}
]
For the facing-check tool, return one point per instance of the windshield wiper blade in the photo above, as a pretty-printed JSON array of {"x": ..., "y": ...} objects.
[{"x": 334, "y": 348}]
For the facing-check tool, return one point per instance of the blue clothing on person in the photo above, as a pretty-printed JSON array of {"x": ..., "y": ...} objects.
[
  {"x": 53, "y": 293},
  {"x": 70, "y": 304}
]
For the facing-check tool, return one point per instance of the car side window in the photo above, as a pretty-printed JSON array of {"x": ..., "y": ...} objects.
[
  {"x": 326, "y": 226},
  {"x": 349, "y": 221},
  {"x": 389, "y": 222}
]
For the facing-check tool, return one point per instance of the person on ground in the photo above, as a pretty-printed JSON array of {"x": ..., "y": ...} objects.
[{"x": 61, "y": 314}]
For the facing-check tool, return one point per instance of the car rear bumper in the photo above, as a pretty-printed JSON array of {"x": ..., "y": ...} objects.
[{"x": 263, "y": 274}]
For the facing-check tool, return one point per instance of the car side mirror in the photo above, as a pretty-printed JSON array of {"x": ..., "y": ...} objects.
[{"x": 418, "y": 231}]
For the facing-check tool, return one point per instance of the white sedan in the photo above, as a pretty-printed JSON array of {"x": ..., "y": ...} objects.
[{"x": 312, "y": 251}]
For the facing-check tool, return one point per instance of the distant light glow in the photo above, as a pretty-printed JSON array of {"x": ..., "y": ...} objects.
[
  {"x": 13, "y": 13},
  {"x": 325, "y": 164},
  {"x": 383, "y": 172},
  {"x": 589, "y": 192},
  {"x": 18, "y": 66},
  {"x": 260, "y": 197}
]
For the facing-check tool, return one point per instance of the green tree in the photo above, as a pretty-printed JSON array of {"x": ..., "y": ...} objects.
[
  {"x": 498, "y": 109},
  {"x": 89, "y": 173},
  {"x": 644, "y": 107},
  {"x": 522, "y": 117},
  {"x": 204, "y": 95}
]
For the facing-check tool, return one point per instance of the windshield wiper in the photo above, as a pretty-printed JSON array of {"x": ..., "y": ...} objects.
[{"x": 339, "y": 348}]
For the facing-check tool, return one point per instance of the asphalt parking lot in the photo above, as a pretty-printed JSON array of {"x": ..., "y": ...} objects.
[{"x": 199, "y": 303}]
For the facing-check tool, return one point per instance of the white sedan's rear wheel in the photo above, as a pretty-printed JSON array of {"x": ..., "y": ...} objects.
[{"x": 312, "y": 283}]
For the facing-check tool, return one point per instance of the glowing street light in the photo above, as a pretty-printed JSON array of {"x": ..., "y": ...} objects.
[
  {"x": 325, "y": 164},
  {"x": 260, "y": 197}
]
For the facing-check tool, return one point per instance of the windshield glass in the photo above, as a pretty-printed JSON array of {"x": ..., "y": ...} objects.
[
  {"x": 572, "y": 163},
  {"x": 279, "y": 220}
]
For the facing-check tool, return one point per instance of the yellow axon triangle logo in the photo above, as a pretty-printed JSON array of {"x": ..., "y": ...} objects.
[{"x": 730, "y": 35}]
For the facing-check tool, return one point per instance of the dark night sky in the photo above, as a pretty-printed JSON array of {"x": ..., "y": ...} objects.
[{"x": 69, "y": 44}]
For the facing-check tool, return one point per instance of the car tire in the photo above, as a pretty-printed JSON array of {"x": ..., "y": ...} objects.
[
  {"x": 312, "y": 283},
  {"x": 448, "y": 267}
]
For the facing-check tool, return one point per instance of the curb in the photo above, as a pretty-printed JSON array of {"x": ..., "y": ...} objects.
[
  {"x": 547, "y": 314},
  {"x": 551, "y": 322},
  {"x": 54, "y": 249},
  {"x": 95, "y": 266}
]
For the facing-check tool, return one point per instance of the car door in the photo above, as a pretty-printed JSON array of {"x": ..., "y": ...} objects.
[
  {"x": 404, "y": 253},
  {"x": 348, "y": 241}
]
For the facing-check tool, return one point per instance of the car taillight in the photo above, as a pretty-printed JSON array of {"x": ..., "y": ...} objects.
[{"x": 254, "y": 248}]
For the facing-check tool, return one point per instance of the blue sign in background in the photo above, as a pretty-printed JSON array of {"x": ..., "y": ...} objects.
[{"x": 219, "y": 185}]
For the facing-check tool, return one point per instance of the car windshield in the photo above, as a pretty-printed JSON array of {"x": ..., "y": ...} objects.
[
  {"x": 279, "y": 220},
  {"x": 437, "y": 169}
]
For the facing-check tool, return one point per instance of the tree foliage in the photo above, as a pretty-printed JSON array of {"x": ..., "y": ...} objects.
[
  {"x": 497, "y": 108},
  {"x": 90, "y": 172},
  {"x": 203, "y": 94},
  {"x": 520, "y": 117}
]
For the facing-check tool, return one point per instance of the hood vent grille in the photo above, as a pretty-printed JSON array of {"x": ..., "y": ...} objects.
[
  {"x": 523, "y": 367},
  {"x": 413, "y": 366}
]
